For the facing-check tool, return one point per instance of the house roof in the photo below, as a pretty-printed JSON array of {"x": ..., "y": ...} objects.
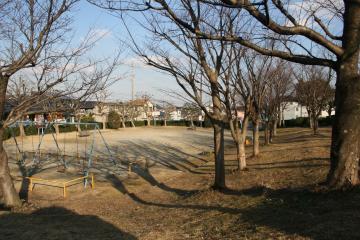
[
  {"x": 87, "y": 104},
  {"x": 139, "y": 102}
]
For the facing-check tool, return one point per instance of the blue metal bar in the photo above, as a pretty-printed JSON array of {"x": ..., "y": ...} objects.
[
  {"x": 107, "y": 147},
  {"x": 86, "y": 172}
]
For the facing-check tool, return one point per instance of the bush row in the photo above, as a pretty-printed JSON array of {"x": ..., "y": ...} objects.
[
  {"x": 305, "y": 122},
  {"x": 33, "y": 130}
]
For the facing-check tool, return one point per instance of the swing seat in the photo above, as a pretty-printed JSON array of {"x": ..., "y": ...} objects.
[{"x": 84, "y": 134}]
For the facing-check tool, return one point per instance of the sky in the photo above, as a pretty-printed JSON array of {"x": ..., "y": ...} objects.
[{"x": 147, "y": 80}]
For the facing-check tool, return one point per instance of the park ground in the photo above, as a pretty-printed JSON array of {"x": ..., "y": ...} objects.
[{"x": 279, "y": 196}]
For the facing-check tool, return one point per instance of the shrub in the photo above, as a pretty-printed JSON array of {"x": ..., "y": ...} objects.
[
  {"x": 67, "y": 128},
  {"x": 31, "y": 130},
  {"x": 326, "y": 122},
  {"x": 87, "y": 119},
  {"x": 298, "y": 122},
  {"x": 114, "y": 120}
]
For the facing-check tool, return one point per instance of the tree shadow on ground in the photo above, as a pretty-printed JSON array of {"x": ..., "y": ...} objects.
[
  {"x": 160, "y": 153},
  {"x": 301, "y": 163},
  {"x": 285, "y": 213},
  {"x": 118, "y": 184},
  {"x": 57, "y": 223},
  {"x": 332, "y": 215},
  {"x": 146, "y": 175}
]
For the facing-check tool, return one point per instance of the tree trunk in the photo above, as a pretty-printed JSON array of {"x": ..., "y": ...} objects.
[
  {"x": 22, "y": 129},
  {"x": 132, "y": 123},
  {"x": 191, "y": 123},
  {"x": 315, "y": 124},
  {"x": 218, "y": 125},
  {"x": 256, "y": 138},
  {"x": 345, "y": 145},
  {"x": 274, "y": 127},
  {"x": 242, "y": 153},
  {"x": 165, "y": 123},
  {"x": 282, "y": 119},
  {"x": 271, "y": 132},
  {"x": 219, "y": 182},
  {"x": 104, "y": 125},
  {"x": 311, "y": 122},
  {"x": 123, "y": 124},
  {"x": 266, "y": 134},
  {"x": 10, "y": 196},
  {"x": 57, "y": 131},
  {"x": 148, "y": 122},
  {"x": 237, "y": 137}
]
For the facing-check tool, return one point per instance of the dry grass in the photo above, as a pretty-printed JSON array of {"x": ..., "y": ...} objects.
[{"x": 276, "y": 198}]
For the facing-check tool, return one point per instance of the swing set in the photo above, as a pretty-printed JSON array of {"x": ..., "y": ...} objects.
[{"x": 30, "y": 168}]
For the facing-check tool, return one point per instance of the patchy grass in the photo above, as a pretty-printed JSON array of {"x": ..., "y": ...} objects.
[{"x": 277, "y": 197}]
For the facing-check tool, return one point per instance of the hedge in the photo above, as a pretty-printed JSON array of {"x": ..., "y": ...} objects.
[
  {"x": 298, "y": 122},
  {"x": 305, "y": 122}
]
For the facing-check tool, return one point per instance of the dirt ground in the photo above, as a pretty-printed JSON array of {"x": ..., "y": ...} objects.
[{"x": 277, "y": 197}]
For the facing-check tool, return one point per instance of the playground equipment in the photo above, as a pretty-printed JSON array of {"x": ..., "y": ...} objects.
[
  {"x": 30, "y": 167},
  {"x": 61, "y": 184}
]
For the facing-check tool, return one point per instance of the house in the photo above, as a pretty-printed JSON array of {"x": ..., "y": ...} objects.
[
  {"x": 57, "y": 110},
  {"x": 100, "y": 110},
  {"x": 176, "y": 115},
  {"x": 143, "y": 107},
  {"x": 293, "y": 110}
]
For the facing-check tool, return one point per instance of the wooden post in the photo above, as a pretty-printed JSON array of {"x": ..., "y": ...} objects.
[
  {"x": 30, "y": 184},
  {"x": 64, "y": 191},
  {"x": 92, "y": 181}
]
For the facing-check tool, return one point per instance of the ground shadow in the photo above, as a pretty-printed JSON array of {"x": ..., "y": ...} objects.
[
  {"x": 146, "y": 175},
  {"x": 57, "y": 223},
  {"x": 118, "y": 184},
  {"x": 285, "y": 212},
  {"x": 332, "y": 215},
  {"x": 301, "y": 163}
]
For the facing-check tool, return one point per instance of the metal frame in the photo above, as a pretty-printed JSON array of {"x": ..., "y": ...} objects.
[{"x": 49, "y": 125}]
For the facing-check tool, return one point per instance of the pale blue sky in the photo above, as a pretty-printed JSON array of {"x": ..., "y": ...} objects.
[{"x": 87, "y": 16}]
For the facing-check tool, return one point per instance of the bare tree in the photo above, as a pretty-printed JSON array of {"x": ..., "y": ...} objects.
[
  {"x": 166, "y": 108},
  {"x": 18, "y": 91},
  {"x": 26, "y": 29},
  {"x": 318, "y": 32},
  {"x": 191, "y": 112},
  {"x": 194, "y": 64},
  {"x": 101, "y": 97},
  {"x": 131, "y": 111},
  {"x": 279, "y": 88},
  {"x": 147, "y": 107},
  {"x": 303, "y": 35},
  {"x": 313, "y": 91},
  {"x": 34, "y": 43},
  {"x": 258, "y": 75},
  {"x": 236, "y": 96}
]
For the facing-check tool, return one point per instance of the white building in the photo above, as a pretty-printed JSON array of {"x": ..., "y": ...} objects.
[
  {"x": 176, "y": 114},
  {"x": 293, "y": 110}
]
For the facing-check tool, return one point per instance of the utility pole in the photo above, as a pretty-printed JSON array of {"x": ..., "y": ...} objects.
[{"x": 132, "y": 76}]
